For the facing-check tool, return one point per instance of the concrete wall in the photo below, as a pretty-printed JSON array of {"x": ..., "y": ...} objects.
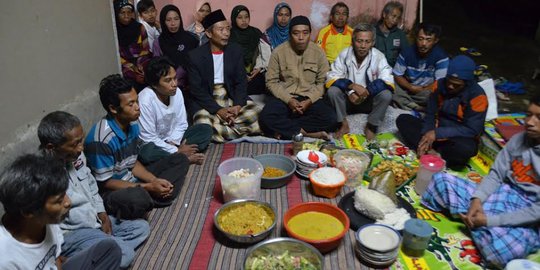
[
  {"x": 316, "y": 10},
  {"x": 54, "y": 54}
]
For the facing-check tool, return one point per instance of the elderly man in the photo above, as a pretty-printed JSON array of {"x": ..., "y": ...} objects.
[
  {"x": 61, "y": 136},
  {"x": 390, "y": 39},
  {"x": 418, "y": 67},
  {"x": 336, "y": 36},
  {"x": 503, "y": 211},
  {"x": 295, "y": 77},
  {"x": 218, "y": 83},
  {"x": 454, "y": 119},
  {"x": 360, "y": 81}
]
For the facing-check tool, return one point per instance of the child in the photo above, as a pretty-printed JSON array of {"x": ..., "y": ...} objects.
[
  {"x": 147, "y": 16},
  {"x": 33, "y": 193}
]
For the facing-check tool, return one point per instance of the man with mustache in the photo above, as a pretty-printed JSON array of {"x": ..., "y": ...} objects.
[
  {"x": 295, "y": 77},
  {"x": 418, "y": 68},
  {"x": 360, "y": 81},
  {"x": 503, "y": 211},
  {"x": 336, "y": 36}
]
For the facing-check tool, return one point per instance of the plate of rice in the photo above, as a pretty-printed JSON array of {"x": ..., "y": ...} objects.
[{"x": 377, "y": 209}]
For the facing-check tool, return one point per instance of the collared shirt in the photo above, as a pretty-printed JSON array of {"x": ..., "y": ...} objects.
[
  {"x": 422, "y": 71},
  {"x": 83, "y": 192},
  {"x": 374, "y": 66},
  {"x": 333, "y": 42},
  {"x": 110, "y": 153},
  {"x": 290, "y": 74}
]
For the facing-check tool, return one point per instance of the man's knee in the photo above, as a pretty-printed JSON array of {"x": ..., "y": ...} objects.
[
  {"x": 335, "y": 93},
  {"x": 384, "y": 96}
]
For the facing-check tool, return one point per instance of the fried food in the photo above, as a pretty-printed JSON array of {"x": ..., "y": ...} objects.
[{"x": 402, "y": 173}]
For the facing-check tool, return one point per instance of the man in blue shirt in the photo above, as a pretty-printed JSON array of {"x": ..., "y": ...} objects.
[
  {"x": 418, "y": 67},
  {"x": 129, "y": 188}
]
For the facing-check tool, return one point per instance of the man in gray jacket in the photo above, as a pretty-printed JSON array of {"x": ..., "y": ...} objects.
[
  {"x": 61, "y": 136},
  {"x": 503, "y": 211}
]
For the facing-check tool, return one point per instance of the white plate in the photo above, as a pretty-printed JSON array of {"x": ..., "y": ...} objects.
[
  {"x": 366, "y": 259},
  {"x": 302, "y": 156},
  {"x": 378, "y": 237}
]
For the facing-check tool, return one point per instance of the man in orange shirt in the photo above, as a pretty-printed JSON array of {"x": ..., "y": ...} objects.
[{"x": 336, "y": 36}]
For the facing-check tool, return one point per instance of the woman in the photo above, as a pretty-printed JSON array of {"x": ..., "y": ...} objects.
[
  {"x": 256, "y": 49},
  {"x": 279, "y": 31},
  {"x": 175, "y": 42},
  {"x": 202, "y": 8},
  {"x": 133, "y": 44},
  {"x": 390, "y": 39}
]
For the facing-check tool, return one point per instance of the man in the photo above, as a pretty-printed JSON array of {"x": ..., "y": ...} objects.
[
  {"x": 163, "y": 120},
  {"x": 129, "y": 188},
  {"x": 360, "y": 81},
  {"x": 390, "y": 39},
  {"x": 454, "y": 119},
  {"x": 337, "y": 35},
  {"x": 33, "y": 193},
  {"x": 218, "y": 83},
  {"x": 503, "y": 211},
  {"x": 295, "y": 77},
  {"x": 61, "y": 137},
  {"x": 418, "y": 67}
]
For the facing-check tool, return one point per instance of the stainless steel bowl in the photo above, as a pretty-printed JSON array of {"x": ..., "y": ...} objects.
[
  {"x": 248, "y": 238},
  {"x": 278, "y": 246},
  {"x": 280, "y": 162}
]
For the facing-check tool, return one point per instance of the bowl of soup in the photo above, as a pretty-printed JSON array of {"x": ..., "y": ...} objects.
[
  {"x": 322, "y": 225},
  {"x": 278, "y": 170},
  {"x": 245, "y": 221}
]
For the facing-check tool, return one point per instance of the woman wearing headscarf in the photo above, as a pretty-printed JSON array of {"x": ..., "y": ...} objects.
[
  {"x": 174, "y": 42},
  {"x": 202, "y": 8},
  {"x": 256, "y": 49},
  {"x": 279, "y": 31},
  {"x": 132, "y": 42}
]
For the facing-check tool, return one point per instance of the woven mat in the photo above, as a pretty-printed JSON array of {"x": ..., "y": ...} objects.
[{"x": 183, "y": 235}]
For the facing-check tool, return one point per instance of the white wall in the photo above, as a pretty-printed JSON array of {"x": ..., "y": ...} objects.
[{"x": 53, "y": 55}]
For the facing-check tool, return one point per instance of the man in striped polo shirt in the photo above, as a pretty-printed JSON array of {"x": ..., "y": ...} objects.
[
  {"x": 418, "y": 68},
  {"x": 129, "y": 189}
]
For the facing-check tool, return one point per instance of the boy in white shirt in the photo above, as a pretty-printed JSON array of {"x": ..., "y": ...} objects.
[
  {"x": 147, "y": 17},
  {"x": 33, "y": 193},
  {"x": 163, "y": 120}
]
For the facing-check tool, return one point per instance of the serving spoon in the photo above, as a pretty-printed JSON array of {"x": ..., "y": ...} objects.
[{"x": 313, "y": 157}]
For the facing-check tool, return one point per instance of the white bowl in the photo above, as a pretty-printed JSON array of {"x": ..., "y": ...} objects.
[{"x": 378, "y": 238}]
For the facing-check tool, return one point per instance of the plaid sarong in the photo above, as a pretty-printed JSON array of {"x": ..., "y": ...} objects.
[
  {"x": 498, "y": 245},
  {"x": 246, "y": 123}
]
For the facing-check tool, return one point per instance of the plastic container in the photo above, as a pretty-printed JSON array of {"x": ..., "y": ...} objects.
[
  {"x": 234, "y": 188},
  {"x": 327, "y": 181},
  {"x": 429, "y": 165},
  {"x": 354, "y": 164},
  {"x": 416, "y": 236}
]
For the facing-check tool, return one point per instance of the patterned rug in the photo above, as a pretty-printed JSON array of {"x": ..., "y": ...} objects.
[{"x": 183, "y": 235}]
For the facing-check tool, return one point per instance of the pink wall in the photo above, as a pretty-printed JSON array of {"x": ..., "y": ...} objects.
[{"x": 316, "y": 10}]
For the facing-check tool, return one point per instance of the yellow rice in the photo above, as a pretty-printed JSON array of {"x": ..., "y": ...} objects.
[{"x": 245, "y": 219}]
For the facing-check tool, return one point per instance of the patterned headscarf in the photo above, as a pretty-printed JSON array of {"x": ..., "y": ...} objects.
[{"x": 277, "y": 33}]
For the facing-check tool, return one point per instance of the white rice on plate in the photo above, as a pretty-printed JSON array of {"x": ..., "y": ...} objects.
[
  {"x": 372, "y": 204},
  {"x": 395, "y": 219}
]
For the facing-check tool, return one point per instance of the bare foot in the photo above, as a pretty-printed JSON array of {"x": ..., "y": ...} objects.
[
  {"x": 318, "y": 135},
  {"x": 196, "y": 158},
  {"x": 370, "y": 134},
  {"x": 344, "y": 129}
]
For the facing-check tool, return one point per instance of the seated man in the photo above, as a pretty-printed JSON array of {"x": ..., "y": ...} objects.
[
  {"x": 503, "y": 211},
  {"x": 361, "y": 81},
  {"x": 218, "y": 83},
  {"x": 33, "y": 193},
  {"x": 163, "y": 120},
  {"x": 61, "y": 136},
  {"x": 295, "y": 78},
  {"x": 128, "y": 187},
  {"x": 418, "y": 67},
  {"x": 390, "y": 39},
  {"x": 454, "y": 119},
  {"x": 336, "y": 36}
]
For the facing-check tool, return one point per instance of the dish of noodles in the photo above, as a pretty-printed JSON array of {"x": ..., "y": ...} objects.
[
  {"x": 245, "y": 219},
  {"x": 272, "y": 172}
]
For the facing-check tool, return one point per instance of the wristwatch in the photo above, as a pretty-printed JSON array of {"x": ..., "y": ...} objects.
[{"x": 350, "y": 92}]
